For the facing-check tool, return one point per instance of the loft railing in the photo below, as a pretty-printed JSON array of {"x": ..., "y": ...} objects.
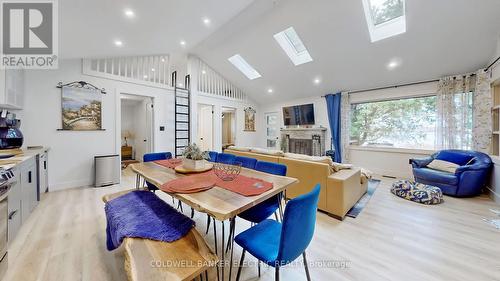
[
  {"x": 139, "y": 69},
  {"x": 211, "y": 82}
]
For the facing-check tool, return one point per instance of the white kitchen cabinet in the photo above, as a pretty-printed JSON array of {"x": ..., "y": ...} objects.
[
  {"x": 43, "y": 177},
  {"x": 29, "y": 185},
  {"x": 12, "y": 88},
  {"x": 15, "y": 196}
]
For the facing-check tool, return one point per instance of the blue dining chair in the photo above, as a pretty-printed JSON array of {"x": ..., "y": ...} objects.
[
  {"x": 212, "y": 156},
  {"x": 225, "y": 158},
  {"x": 246, "y": 162},
  {"x": 262, "y": 210},
  {"x": 278, "y": 244},
  {"x": 149, "y": 157}
]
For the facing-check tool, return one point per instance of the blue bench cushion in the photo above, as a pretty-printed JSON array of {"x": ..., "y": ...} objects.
[{"x": 417, "y": 192}]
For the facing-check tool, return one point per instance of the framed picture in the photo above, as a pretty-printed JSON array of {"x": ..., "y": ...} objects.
[
  {"x": 81, "y": 106},
  {"x": 249, "y": 119}
]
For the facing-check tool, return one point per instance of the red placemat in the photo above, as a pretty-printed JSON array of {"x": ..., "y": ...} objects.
[
  {"x": 169, "y": 163},
  {"x": 190, "y": 184}
]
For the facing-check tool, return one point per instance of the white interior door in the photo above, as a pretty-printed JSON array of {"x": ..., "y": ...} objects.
[
  {"x": 205, "y": 127},
  {"x": 272, "y": 130}
]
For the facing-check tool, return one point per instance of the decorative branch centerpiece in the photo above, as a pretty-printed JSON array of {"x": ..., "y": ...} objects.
[{"x": 194, "y": 158}]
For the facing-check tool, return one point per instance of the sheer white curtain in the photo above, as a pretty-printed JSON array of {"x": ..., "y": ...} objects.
[
  {"x": 345, "y": 112},
  {"x": 482, "y": 129},
  {"x": 454, "y": 106}
]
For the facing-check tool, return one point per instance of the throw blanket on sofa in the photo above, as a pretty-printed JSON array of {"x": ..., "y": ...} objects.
[
  {"x": 365, "y": 174},
  {"x": 142, "y": 214}
]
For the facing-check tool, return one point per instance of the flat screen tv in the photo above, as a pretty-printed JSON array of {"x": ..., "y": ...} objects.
[{"x": 299, "y": 115}]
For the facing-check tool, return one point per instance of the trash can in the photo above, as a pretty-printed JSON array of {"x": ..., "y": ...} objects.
[{"x": 107, "y": 170}]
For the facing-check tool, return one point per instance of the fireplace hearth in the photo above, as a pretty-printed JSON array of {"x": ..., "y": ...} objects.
[{"x": 308, "y": 141}]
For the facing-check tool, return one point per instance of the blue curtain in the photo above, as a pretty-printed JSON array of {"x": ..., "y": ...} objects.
[{"x": 333, "y": 104}]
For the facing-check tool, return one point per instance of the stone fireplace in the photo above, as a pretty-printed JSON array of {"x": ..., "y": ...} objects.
[{"x": 308, "y": 141}]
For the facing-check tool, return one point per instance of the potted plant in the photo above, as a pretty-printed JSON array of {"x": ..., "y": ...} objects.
[{"x": 194, "y": 158}]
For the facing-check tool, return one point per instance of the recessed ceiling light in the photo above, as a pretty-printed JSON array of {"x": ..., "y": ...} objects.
[
  {"x": 393, "y": 64},
  {"x": 129, "y": 13},
  {"x": 183, "y": 43},
  {"x": 242, "y": 65},
  {"x": 162, "y": 60},
  {"x": 270, "y": 91},
  {"x": 317, "y": 81},
  {"x": 152, "y": 69},
  {"x": 207, "y": 21},
  {"x": 179, "y": 85},
  {"x": 118, "y": 43},
  {"x": 145, "y": 77},
  {"x": 203, "y": 72}
]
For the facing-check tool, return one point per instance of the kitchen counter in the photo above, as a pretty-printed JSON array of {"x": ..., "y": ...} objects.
[{"x": 26, "y": 154}]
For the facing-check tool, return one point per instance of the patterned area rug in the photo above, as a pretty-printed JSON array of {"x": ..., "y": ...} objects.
[{"x": 372, "y": 186}]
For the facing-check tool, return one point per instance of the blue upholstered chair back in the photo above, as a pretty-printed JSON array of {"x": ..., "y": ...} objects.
[
  {"x": 213, "y": 156},
  {"x": 462, "y": 157},
  {"x": 148, "y": 157},
  {"x": 225, "y": 158},
  {"x": 246, "y": 162},
  {"x": 271, "y": 168},
  {"x": 298, "y": 226}
]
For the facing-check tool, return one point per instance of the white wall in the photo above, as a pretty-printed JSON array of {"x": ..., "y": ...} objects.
[
  {"x": 242, "y": 138},
  {"x": 320, "y": 117},
  {"x": 72, "y": 153}
]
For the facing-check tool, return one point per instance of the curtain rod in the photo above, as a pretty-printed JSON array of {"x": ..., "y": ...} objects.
[
  {"x": 396, "y": 86},
  {"x": 492, "y": 64}
]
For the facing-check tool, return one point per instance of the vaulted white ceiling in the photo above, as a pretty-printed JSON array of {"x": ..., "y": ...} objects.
[
  {"x": 88, "y": 28},
  {"x": 443, "y": 37}
]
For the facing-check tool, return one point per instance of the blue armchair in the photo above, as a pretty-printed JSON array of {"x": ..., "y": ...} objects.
[{"x": 467, "y": 181}]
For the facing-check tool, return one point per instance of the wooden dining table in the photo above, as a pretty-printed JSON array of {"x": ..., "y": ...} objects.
[{"x": 219, "y": 203}]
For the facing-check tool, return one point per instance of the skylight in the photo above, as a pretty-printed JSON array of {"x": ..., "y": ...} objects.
[
  {"x": 242, "y": 65},
  {"x": 385, "y": 18},
  {"x": 290, "y": 42}
]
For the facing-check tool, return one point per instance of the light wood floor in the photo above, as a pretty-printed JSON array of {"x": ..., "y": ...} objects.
[{"x": 392, "y": 239}]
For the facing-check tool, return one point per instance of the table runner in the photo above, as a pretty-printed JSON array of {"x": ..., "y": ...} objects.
[{"x": 246, "y": 186}]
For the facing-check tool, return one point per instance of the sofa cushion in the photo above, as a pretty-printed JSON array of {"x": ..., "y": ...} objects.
[
  {"x": 239, "y": 148},
  {"x": 444, "y": 166},
  {"x": 431, "y": 175},
  {"x": 457, "y": 158},
  {"x": 267, "y": 151}
]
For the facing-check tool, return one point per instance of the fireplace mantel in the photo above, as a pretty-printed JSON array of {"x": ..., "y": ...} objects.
[{"x": 310, "y": 141}]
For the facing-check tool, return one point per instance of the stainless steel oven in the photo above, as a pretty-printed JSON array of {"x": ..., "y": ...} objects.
[{"x": 7, "y": 179}]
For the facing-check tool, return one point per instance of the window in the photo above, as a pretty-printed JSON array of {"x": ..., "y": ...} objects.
[
  {"x": 242, "y": 65},
  {"x": 385, "y": 18},
  {"x": 402, "y": 123},
  {"x": 290, "y": 42}
]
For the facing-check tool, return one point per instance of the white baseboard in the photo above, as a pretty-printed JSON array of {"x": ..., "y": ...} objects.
[
  {"x": 495, "y": 196},
  {"x": 69, "y": 184}
]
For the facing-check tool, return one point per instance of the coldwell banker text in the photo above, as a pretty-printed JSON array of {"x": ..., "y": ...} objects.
[{"x": 29, "y": 34}]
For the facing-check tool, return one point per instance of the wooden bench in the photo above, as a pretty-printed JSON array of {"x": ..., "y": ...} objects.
[{"x": 185, "y": 259}]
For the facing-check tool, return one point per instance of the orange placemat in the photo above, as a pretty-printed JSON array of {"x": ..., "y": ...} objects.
[
  {"x": 169, "y": 163},
  {"x": 189, "y": 184}
]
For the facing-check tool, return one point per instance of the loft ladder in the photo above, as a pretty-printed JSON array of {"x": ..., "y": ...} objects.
[{"x": 182, "y": 114}]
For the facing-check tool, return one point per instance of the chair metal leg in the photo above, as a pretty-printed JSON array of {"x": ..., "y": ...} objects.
[
  {"x": 192, "y": 212},
  {"x": 208, "y": 224},
  {"x": 277, "y": 273},
  {"x": 258, "y": 268},
  {"x": 240, "y": 265},
  {"x": 306, "y": 266},
  {"x": 276, "y": 216},
  {"x": 231, "y": 235},
  {"x": 216, "y": 252},
  {"x": 179, "y": 205},
  {"x": 206, "y": 275}
]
